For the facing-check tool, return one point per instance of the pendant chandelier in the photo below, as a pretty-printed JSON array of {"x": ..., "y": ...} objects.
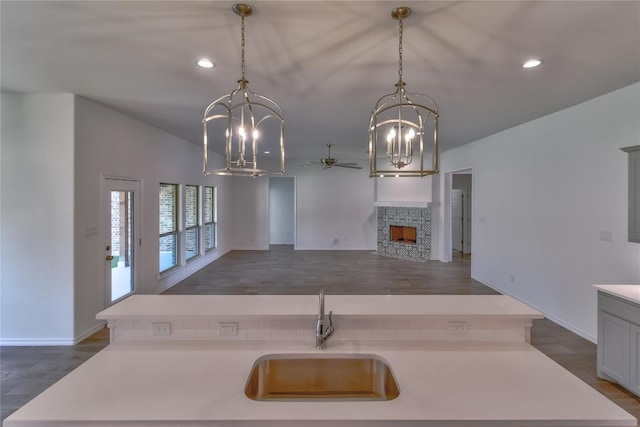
[
  {"x": 401, "y": 123},
  {"x": 242, "y": 120}
]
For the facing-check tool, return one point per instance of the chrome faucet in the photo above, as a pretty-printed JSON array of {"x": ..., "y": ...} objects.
[{"x": 322, "y": 334}]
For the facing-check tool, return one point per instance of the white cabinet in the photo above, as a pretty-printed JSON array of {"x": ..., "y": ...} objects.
[
  {"x": 634, "y": 192},
  {"x": 619, "y": 341}
]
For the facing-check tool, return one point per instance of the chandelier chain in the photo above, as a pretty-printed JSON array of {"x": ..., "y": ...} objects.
[
  {"x": 400, "y": 50},
  {"x": 242, "y": 44}
]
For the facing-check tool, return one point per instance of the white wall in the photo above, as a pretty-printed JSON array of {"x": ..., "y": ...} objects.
[
  {"x": 402, "y": 189},
  {"x": 250, "y": 207},
  {"x": 545, "y": 190},
  {"x": 281, "y": 210},
  {"x": 334, "y": 209},
  {"x": 112, "y": 144},
  {"x": 52, "y": 171},
  {"x": 37, "y": 219}
]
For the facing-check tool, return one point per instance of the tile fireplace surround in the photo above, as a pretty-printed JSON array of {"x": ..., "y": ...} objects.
[{"x": 419, "y": 217}]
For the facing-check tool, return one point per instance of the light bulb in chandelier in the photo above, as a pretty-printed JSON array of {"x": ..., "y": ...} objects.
[
  {"x": 391, "y": 136},
  {"x": 400, "y": 146},
  {"x": 409, "y": 135},
  {"x": 408, "y": 143},
  {"x": 391, "y": 141}
]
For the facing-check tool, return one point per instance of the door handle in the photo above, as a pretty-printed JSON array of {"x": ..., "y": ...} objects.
[{"x": 109, "y": 258}]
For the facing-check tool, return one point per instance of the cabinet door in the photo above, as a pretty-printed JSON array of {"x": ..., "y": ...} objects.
[
  {"x": 613, "y": 351},
  {"x": 634, "y": 371}
]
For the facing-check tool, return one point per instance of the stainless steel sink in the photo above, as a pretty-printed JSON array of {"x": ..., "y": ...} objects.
[{"x": 332, "y": 377}]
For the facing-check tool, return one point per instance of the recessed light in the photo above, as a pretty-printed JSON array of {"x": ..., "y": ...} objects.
[
  {"x": 267, "y": 152},
  {"x": 532, "y": 63},
  {"x": 206, "y": 63}
]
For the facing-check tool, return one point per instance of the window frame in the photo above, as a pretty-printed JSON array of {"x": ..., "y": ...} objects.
[
  {"x": 176, "y": 227},
  {"x": 214, "y": 217},
  {"x": 197, "y": 227}
]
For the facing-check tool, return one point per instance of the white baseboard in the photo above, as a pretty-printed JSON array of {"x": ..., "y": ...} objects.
[
  {"x": 88, "y": 333},
  {"x": 547, "y": 315},
  {"x": 572, "y": 328},
  {"x": 30, "y": 342},
  {"x": 36, "y": 342},
  {"x": 334, "y": 248},
  {"x": 251, "y": 248}
]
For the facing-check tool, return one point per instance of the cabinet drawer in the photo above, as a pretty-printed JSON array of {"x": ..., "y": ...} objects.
[{"x": 619, "y": 308}]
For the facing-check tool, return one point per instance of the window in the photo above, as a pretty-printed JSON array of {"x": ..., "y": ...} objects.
[
  {"x": 192, "y": 221},
  {"x": 168, "y": 226},
  {"x": 210, "y": 217}
]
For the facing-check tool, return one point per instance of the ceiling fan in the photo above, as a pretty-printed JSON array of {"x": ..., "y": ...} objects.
[{"x": 329, "y": 162}]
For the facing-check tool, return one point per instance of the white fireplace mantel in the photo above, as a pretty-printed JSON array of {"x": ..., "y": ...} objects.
[{"x": 396, "y": 204}]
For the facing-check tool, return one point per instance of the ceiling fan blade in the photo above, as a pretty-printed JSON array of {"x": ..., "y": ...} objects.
[{"x": 328, "y": 162}]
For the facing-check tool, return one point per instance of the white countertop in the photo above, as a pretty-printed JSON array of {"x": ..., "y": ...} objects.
[
  {"x": 176, "y": 306},
  {"x": 440, "y": 384},
  {"x": 630, "y": 293}
]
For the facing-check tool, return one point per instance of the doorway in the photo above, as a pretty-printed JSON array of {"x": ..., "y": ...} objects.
[
  {"x": 121, "y": 206},
  {"x": 282, "y": 218},
  {"x": 458, "y": 213},
  {"x": 457, "y": 220}
]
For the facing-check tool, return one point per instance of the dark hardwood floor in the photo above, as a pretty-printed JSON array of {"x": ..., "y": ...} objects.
[
  {"x": 282, "y": 270},
  {"x": 27, "y": 371}
]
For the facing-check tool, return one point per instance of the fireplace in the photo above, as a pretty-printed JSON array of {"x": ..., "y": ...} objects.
[{"x": 403, "y": 234}]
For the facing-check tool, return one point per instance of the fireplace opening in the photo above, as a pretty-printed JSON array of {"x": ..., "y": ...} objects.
[{"x": 399, "y": 233}]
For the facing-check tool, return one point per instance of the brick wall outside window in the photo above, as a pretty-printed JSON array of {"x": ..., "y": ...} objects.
[
  {"x": 192, "y": 222},
  {"x": 209, "y": 216},
  {"x": 168, "y": 219}
]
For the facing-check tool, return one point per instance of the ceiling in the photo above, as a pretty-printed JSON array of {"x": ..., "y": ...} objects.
[{"x": 326, "y": 63}]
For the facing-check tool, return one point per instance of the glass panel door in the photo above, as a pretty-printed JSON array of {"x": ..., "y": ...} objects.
[
  {"x": 121, "y": 238},
  {"x": 122, "y": 282}
]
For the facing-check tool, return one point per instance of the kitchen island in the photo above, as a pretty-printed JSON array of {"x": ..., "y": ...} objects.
[
  {"x": 292, "y": 317},
  {"x": 447, "y": 375}
]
